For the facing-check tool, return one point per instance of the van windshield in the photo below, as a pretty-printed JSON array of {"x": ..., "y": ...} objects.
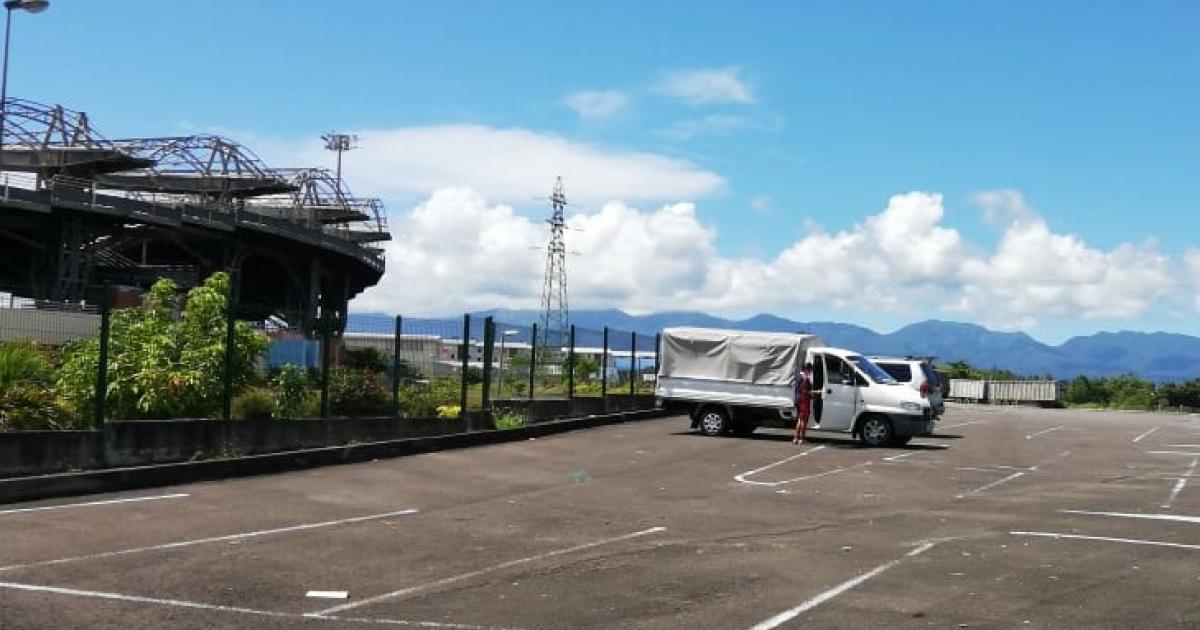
[{"x": 871, "y": 370}]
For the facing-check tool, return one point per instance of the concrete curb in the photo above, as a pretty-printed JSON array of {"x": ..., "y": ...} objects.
[{"x": 16, "y": 489}]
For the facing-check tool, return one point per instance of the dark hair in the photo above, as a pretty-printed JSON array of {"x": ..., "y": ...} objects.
[{"x": 808, "y": 366}]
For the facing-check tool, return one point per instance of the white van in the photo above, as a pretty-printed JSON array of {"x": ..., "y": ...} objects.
[{"x": 733, "y": 381}]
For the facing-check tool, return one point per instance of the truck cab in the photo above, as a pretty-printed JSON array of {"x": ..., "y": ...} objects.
[{"x": 853, "y": 394}]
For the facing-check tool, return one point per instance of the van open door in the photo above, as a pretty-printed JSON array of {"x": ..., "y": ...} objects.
[{"x": 840, "y": 394}]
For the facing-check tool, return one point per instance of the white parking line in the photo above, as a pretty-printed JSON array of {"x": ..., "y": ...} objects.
[
  {"x": 792, "y": 613},
  {"x": 1131, "y": 541},
  {"x": 179, "y": 603},
  {"x": 960, "y": 424},
  {"x": 473, "y": 574},
  {"x": 1143, "y": 435},
  {"x": 1192, "y": 453},
  {"x": 1044, "y": 431},
  {"x": 1183, "y": 446},
  {"x": 742, "y": 477},
  {"x": 201, "y": 541},
  {"x": 991, "y": 485},
  {"x": 93, "y": 503},
  {"x": 1154, "y": 517},
  {"x": 900, "y": 456},
  {"x": 1180, "y": 483}
]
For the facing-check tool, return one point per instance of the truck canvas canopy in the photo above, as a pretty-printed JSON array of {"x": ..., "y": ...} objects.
[{"x": 742, "y": 366}]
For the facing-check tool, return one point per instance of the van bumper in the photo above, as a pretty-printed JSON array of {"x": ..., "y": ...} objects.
[{"x": 909, "y": 425}]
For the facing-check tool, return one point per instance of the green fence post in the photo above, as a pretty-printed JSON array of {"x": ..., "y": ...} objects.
[
  {"x": 604, "y": 371},
  {"x": 396, "y": 366},
  {"x": 532, "y": 358},
  {"x": 571, "y": 365},
  {"x": 325, "y": 325},
  {"x": 489, "y": 342},
  {"x": 633, "y": 363},
  {"x": 465, "y": 353},
  {"x": 102, "y": 364},
  {"x": 230, "y": 326}
]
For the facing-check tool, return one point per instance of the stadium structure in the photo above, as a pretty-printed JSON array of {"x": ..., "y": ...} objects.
[{"x": 80, "y": 212}]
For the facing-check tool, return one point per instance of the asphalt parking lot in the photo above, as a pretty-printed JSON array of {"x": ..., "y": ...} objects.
[{"x": 1007, "y": 518}]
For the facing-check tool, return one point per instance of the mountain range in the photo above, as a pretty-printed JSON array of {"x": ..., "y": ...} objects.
[{"x": 1156, "y": 356}]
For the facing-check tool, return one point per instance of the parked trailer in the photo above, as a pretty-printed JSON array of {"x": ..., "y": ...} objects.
[
  {"x": 968, "y": 390},
  {"x": 1042, "y": 392}
]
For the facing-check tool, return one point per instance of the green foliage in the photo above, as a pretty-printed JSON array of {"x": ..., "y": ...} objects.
[
  {"x": 506, "y": 420},
  {"x": 22, "y": 362},
  {"x": 368, "y": 359},
  {"x": 474, "y": 375},
  {"x": 164, "y": 361},
  {"x": 254, "y": 404},
  {"x": 1119, "y": 392},
  {"x": 31, "y": 407},
  {"x": 962, "y": 369},
  {"x": 1180, "y": 395},
  {"x": 358, "y": 392},
  {"x": 294, "y": 394},
  {"x": 422, "y": 400}
]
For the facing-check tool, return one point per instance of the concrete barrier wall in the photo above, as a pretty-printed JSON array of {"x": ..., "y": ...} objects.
[{"x": 141, "y": 443}]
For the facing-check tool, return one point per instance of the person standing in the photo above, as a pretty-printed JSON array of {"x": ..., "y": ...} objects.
[{"x": 803, "y": 398}]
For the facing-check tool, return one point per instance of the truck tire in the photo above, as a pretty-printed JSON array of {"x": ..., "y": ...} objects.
[
  {"x": 876, "y": 431},
  {"x": 713, "y": 421}
]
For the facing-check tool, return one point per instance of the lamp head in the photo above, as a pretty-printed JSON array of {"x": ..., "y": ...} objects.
[{"x": 32, "y": 6}]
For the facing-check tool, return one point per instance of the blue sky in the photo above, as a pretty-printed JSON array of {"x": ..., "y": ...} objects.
[{"x": 1085, "y": 109}]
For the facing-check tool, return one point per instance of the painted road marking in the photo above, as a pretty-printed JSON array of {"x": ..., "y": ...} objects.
[
  {"x": 1155, "y": 517},
  {"x": 1143, "y": 435},
  {"x": 1179, "y": 484},
  {"x": 960, "y": 424},
  {"x": 991, "y": 485},
  {"x": 900, "y": 456},
  {"x": 93, "y": 503},
  {"x": 1044, "y": 431},
  {"x": 792, "y": 613},
  {"x": 1192, "y": 453},
  {"x": 742, "y": 477},
  {"x": 477, "y": 573},
  {"x": 179, "y": 603},
  {"x": 201, "y": 541},
  {"x": 1131, "y": 541}
]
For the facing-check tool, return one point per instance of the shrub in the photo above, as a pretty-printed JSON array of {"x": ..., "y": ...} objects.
[
  {"x": 358, "y": 392},
  {"x": 254, "y": 404},
  {"x": 31, "y": 407},
  {"x": 165, "y": 361},
  {"x": 294, "y": 394},
  {"x": 449, "y": 412},
  {"x": 506, "y": 420},
  {"x": 22, "y": 362}
]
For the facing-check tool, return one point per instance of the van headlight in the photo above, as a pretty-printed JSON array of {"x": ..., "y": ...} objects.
[{"x": 910, "y": 407}]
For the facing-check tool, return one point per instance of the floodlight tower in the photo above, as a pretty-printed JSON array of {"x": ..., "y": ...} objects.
[
  {"x": 554, "y": 285},
  {"x": 340, "y": 142}
]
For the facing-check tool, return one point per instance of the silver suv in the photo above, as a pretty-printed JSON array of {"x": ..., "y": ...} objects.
[{"x": 918, "y": 374}]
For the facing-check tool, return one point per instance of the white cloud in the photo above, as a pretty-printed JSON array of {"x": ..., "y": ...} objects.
[
  {"x": 596, "y": 104},
  {"x": 762, "y": 204},
  {"x": 706, "y": 86},
  {"x": 457, "y": 251},
  {"x": 509, "y": 165},
  {"x": 718, "y": 124},
  {"x": 1192, "y": 266},
  {"x": 1002, "y": 206}
]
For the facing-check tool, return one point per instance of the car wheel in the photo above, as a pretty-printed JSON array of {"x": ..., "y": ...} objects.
[
  {"x": 713, "y": 422},
  {"x": 875, "y": 431}
]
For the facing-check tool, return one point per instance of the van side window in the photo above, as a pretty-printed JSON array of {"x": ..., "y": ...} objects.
[
  {"x": 838, "y": 372},
  {"x": 818, "y": 372}
]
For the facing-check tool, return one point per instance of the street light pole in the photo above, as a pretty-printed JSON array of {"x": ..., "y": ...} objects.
[{"x": 32, "y": 6}]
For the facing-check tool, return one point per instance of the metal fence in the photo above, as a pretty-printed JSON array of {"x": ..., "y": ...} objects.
[{"x": 187, "y": 358}]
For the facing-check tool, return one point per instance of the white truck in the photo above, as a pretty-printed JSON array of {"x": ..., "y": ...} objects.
[{"x": 733, "y": 381}]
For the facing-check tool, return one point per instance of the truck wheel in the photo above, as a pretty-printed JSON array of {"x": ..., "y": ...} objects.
[
  {"x": 875, "y": 431},
  {"x": 713, "y": 422}
]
